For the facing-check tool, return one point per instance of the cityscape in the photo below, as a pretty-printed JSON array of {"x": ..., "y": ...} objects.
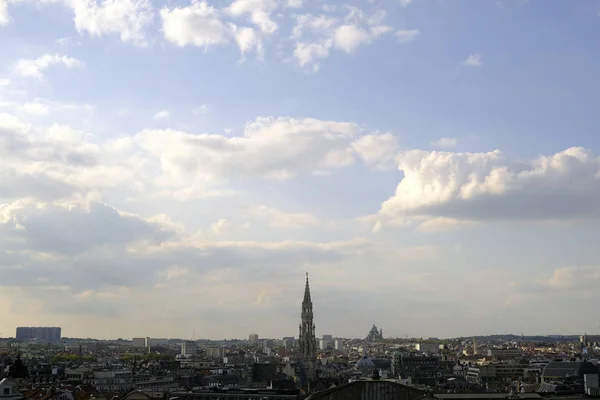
[
  {"x": 38, "y": 362},
  {"x": 299, "y": 199}
]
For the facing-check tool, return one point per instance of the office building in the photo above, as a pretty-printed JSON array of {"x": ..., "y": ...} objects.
[
  {"x": 253, "y": 338},
  {"x": 46, "y": 334},
  {"x": 138, "y": 342},
  {"x": 152, "y": 342},
  {"x": 189, "y": 348},
  {"x": 339, "y": 344}
]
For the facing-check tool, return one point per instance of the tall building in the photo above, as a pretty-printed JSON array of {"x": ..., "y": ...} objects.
[
  {"x": 44, "y": 333},
  {"x": 138, "y": 342},
  {"x": 253, "y": 338},
  {"x": 189, "y": 348},
  {"x": 307, "y": 340}
]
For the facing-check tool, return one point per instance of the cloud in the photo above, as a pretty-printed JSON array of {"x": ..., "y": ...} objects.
[
  {"x": 177, "y": 164},
  {"x": 445, "y": 142},
  {"x": 259, "y": 12},
  {"x": 4, "y": 17},
  {"x": 221, "y": 226},
  {"x": 129, "y": 18},
  {"x": 35, "y": 67},
  {"x": 474, "y": 60},
  {"x": 377, "y": 149},
  {"x": 404, "y": 3},
  {"x": 574, "y": 278},
  {"x": 315, "y": 35},
  {"x": 162, "y": 114},
  {"x": 405, "y": 36},
  {"x": 476, "y": 186},
  {"x": 198, "y": 25}
]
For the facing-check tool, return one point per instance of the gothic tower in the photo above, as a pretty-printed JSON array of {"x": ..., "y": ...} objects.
[{"x": 307, "y": 339}]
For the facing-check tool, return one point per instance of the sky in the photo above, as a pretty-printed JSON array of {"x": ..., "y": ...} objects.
[{"x": 174, "y": 168}]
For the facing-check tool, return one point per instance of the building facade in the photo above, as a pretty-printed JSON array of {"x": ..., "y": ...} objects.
[
  {"x": 189, "y": 348},
  {"x": 307, "y": 340},
  {"x": 44, "y": 333}
]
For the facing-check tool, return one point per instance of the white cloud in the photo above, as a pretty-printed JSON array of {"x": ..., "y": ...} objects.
[
  {"x": 445, "y": 142},
  {"x": 377, "y": 149},
  {"x": 404, "y": 3},
  {"x": 405, "y": 36},
  {"x": 35, "y": 67},
  {"x": 315, "y": 35},
  {"x": 198, "y": 25},
  {"x": 259, "y": 12},
  {"x": 474, "y": 60},
  {"x": 4, "y": 17},
  {"x": 221, "y": 226},
  {"x": 247, "y": 39},
  {"x": 5, "y": 82},
  {"x": 308, "y": 53},
  {"x": 162, "y": 114},
  {"x": 128, "y": 18},
  {"x": 476, "y": 186},
  {"x": 349, "y": 37}
]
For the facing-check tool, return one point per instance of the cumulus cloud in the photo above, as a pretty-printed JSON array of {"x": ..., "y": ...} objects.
[
  {"x": 198, "y": 24},
  {"x": 4, "y": 17},
  {"x": 474, "y": 60},
  {"x": 259, "y": 12},
  {"x": 377, "y": 149},
  {"x": 488, "y": 185},
  {"x": 35, "y": 67},
  {"x": 176, "y": 163},
  {"x": 130, "y": 19},
  {"x": 315, "y": 35}
]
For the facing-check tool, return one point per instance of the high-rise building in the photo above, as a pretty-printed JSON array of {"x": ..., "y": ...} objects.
[
  {"x": 307, "y": 340},
  {"x": 43, "y": 333},
  {"x": 189, "y": 348},
  {"x": 138, "y": 342},
  {"x": 339, "y": 344},
  {"x": 253, "y": 338}
]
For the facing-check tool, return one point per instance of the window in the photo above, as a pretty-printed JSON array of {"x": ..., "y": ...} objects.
[{"x": 6, "y": 391}]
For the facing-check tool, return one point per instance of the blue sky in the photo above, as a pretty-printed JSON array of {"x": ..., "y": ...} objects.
[{"x": 416, "y": 157}]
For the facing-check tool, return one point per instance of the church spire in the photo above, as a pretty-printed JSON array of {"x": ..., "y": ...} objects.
[
  {"x": 307, "y": 339},
  {"x": 306, "y": 292}
]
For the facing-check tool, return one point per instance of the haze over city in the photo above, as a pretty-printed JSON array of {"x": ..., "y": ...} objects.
[{"x": 174, "y": 168}]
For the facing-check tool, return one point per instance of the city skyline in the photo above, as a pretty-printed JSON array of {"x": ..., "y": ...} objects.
[{"x": 177, "y": 167}]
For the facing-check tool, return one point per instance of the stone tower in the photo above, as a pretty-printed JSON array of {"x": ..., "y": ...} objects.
[{"x": 307, "y": 339}]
